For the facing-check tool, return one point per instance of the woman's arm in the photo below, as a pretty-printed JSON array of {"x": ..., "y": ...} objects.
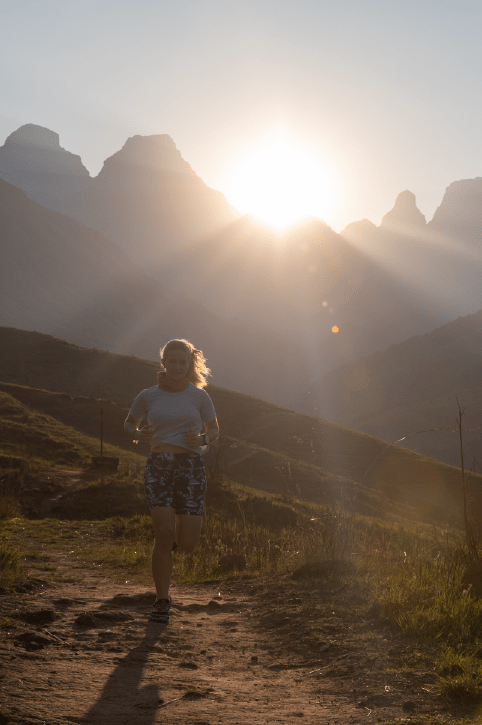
[
  {"x": 211, "y": 430},
  {"x": 130, "y": 427},
  {"x": 143, "y": 435}
]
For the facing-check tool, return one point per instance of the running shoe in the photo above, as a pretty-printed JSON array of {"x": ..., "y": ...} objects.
[{"x": 160, "y": 611}]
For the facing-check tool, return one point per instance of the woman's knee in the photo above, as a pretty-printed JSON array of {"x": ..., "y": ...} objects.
[
  {"x": 164, "y": 527},
  {"x": 164, "y": 538}
]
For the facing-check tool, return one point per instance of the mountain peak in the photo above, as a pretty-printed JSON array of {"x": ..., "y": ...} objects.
[
  {"x": 157, "y": 152},
  {"x": 459, "y": 214},
  {"x": 34, "y": 136},
  {"x": 364, "y": 227},
  {"x": 404, "y": 214},
  {"x": 33, "y": 159}
]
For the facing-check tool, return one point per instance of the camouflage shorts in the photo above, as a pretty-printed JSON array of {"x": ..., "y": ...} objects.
[{"x": 176, "y": 480}]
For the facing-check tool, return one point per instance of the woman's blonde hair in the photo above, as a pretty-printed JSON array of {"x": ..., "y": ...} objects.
[{"x": 198, "y": 370}]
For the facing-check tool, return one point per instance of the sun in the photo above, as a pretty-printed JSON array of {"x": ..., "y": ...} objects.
[{"x": 280, "y": 183}]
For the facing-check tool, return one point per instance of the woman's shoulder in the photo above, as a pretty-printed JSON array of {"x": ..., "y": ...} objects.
[
  {"x": 149, "y": 392},
  {"x": 202, "y": 398},
  {"x": 199, "y": 392}
]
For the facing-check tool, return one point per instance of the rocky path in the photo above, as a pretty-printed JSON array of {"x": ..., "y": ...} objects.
[
  {"x": 84, "y": 652},
  {"x": 88, "y": 654}
]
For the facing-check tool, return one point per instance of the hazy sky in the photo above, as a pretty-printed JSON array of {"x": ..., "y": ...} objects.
[{"x": 384, "y": 95}]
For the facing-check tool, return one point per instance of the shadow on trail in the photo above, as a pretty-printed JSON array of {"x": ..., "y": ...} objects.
[{"x": 123, "y": 699}]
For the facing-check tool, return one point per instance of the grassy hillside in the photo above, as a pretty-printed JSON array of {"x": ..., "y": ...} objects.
[
  {"x": 264, "y": 446},
  {"x": 31, "y": 433},
  {"x": 393, "y": 591}
]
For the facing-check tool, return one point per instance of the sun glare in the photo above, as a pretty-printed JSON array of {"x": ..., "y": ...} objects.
[{"x": 280, "y": 183}]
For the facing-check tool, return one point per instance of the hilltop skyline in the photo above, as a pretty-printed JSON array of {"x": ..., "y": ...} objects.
[
  {"x": 146, "y": 251},
  {"x": 380, "y": 96},
  {"x": 331, "y": 297}
]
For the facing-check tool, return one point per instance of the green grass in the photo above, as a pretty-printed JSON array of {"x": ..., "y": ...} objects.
[
  {"x": 460, "y": 674},
  {"x": 10, "y": 567},
  {"x": 9, "y": 506},
  {"x": 410, "y": 575},
  {"x": 421, "y": 593},
  {"x": 11, "y": 479}
]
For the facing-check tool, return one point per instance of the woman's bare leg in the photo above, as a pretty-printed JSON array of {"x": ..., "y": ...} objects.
[
  {"x": 183, "y": 529},
  {"x": 188, "y": 531},
  {"x": 165, "y": 534}
]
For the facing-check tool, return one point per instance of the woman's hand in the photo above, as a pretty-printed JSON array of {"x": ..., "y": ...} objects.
[
  {"x": 193, "y": 439},
  {"x": 145, "y": 434}
]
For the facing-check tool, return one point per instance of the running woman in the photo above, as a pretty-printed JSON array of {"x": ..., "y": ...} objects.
[{"x": 181, "y": 424}]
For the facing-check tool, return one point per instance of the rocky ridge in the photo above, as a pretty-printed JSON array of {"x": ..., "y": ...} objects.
[
  {"x": 33, "y": 159},
  {"x": 405, "y": 213}
]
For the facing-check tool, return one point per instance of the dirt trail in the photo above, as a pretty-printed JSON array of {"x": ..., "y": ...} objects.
[
  {"x": 84, "y": 652},
  {"x": 88, "y": 654}
]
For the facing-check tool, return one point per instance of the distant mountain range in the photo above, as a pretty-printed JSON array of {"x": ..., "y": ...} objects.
[
  {"x": 146, "y": 198},
  {"x": 59, "y": 277},
  {"x": 443, "y": 257},
  {"x": 412, "y": 387},
  {"x": 301, "y": 284},
  {"x": 158, "y": 253}
]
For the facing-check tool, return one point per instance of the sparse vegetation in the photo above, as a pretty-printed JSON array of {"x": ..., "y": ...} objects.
[
  {"x": 10, "y": 568},
  {"x": 410, "y": 575}
]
